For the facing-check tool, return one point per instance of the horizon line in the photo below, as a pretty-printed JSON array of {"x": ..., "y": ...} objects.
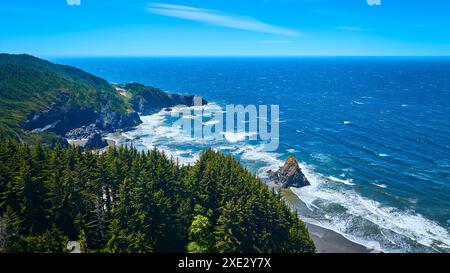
[
  {"x": 57, "y": 56},
  {"x": 234, "y": 56}
]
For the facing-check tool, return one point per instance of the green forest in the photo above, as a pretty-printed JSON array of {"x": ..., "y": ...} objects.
[{"x": 125, "y": 201}]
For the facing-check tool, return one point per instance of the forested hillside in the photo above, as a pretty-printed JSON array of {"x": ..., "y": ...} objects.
[
  {"x": 29, "y": 84},
  {"x": 128, "y": 201}
]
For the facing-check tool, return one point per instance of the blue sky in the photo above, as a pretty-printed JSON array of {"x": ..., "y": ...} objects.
[{"x": 224, "y": 27}]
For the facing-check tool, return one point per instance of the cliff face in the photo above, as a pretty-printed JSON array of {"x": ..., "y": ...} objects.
[
  {"x": 64, "y": 119},
  {"x": 290, "y": 175}
]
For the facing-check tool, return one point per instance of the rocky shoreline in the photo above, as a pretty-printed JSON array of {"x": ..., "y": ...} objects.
[{"x": 87, "y": 127}]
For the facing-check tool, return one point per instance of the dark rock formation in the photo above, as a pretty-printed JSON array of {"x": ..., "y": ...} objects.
[
  {"x": 290, "y": 175},
  {"x": 59, "y": 118},
  {"x": 95, "y": 141},
  {"x": 110, "y": 121},
  {"x": 70, "y": 121},
  {"x": 147, "y": 104},
  {"x": 149, "y": 100},
  {"x": 83, "y": 132}
]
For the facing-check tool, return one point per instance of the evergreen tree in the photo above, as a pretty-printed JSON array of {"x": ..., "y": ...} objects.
[
  {"x": 200, "y": 235},
  {"x": 123, "y": 200}
]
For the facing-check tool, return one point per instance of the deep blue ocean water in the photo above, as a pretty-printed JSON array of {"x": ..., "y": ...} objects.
[{"x": 372, "y": 134}]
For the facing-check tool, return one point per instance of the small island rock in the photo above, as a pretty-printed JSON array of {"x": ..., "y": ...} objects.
[{"x": 289, "y": 175}]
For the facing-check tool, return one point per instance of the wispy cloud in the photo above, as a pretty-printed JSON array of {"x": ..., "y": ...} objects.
[
  {"x": 218, "y": 18},
  {"x": 74, "y": 2}
]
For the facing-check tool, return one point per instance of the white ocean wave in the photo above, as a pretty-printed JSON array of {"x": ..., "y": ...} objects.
[
  {"x": 347, "y": 182},
  {"x": 379, "y": 185},
  {"x": 234, "y": 137}
]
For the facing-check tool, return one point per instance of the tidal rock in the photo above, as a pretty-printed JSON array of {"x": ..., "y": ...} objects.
[
  {"x": 95, "y": 141},
  {"x": 83, "y": 132},
  {"x": 290, "y": 175},
  {"x": 110, "y": 121}
]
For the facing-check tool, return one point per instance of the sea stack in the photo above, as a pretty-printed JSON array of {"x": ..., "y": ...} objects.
[{"x": 290, "y": 175}]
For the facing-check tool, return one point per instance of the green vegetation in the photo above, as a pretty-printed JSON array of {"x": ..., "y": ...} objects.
[
  {"x": 29, "y": 84},
  {"x": 128, "y": 201},
  {"x": 139, "y": 89},
  {"x": 147, "y": 100}
]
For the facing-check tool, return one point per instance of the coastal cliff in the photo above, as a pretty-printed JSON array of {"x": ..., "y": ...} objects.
[{"x": 40, "y": 100}]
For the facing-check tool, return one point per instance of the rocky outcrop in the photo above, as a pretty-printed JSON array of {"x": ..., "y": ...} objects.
[
  {"x": 148, "y": 100},
  {"x": 147, "y": 104},
  {"x": 110, "y": 121},
  {"x": 83, "y": 132},
  {"x": 60, "y": 118},
  {"x": 79, "y": 123},
  {"x": 289, "y": 175},
  {"x": 95, "y": 141}
]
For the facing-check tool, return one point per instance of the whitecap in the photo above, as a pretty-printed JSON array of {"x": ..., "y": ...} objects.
[
  {"x": 347, "y": 182},
  {"x": 234, "y": 137},
  {"x": 379, "y": 185},
  {"x": 321, "y": 157}
]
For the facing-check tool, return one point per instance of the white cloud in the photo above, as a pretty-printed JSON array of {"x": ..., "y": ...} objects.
[
  {"x": 214, "y": 17},
  {"x": 74, "y": 2}
]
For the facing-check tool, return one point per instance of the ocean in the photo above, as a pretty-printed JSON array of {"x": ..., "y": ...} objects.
[{"x": 372, "y": 134}]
